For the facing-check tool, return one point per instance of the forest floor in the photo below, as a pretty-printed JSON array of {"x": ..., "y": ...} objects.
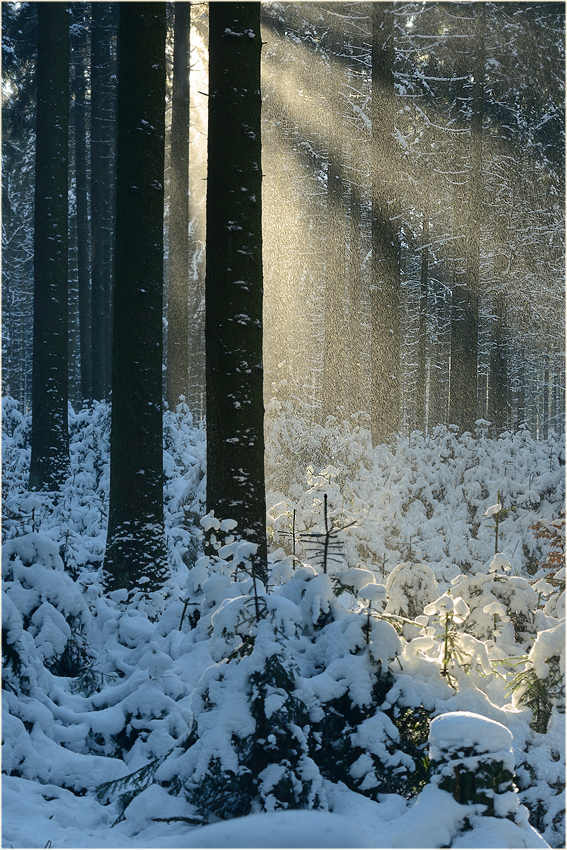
[{"x": 125, "y": 723}]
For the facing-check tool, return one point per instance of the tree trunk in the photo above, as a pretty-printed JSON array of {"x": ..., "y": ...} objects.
[
  {"x": 135, "y": 552},
  {"x": 50, "y": 438},
  {"x": 178, "y": 264},
  {"x": 498, "y": 396},
  {"x": 421, "y": 380},
  {"x": 102, "y": 189},
  {"x": 233, "y": 329},
  {"x": 464, "y": 322},
  {"x": 354, "y": 330},
  {"x": 81, "y": 192},
  {"x": 521, "y": 406},
  {"x": 385, "y": 294},
  {"x": 545, "y": 400},
  {"x": 334, "y": 361}
]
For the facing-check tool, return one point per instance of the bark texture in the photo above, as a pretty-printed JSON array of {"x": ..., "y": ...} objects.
[
  {"x": 135, "y": 552},
  {"x": 233, "y": 329},
  {"x": 385, "y": 293},
  {"x": 50, "y": 388}
]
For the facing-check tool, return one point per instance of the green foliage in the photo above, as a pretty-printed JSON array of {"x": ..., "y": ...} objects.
[
  {"x": 481, "y": 785},
  {"x": 223, "y": 792},
  {"x": 90, "y": 680},
  {"x": 399, "y": 764},
  {"x": 538, "y": 694},
  {"x": 128, "y": 787},
  {"x": 413, "y": 726},
  {"x": 12, "y": 664},
  {"x": 273, "y": 762}
]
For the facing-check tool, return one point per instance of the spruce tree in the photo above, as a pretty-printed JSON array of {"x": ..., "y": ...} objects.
[
  {"x": 79, "y": 45},
  {"x": 50, "y": 438},
  {"x": 135, "y": 551},
  {"x": 178, "y": 265},
  {"x": 233, "y": 330},
  {"x": 465, "y": 311},
  {"x": 385, "y": 297},
  {"x": 103, "y": 130}
]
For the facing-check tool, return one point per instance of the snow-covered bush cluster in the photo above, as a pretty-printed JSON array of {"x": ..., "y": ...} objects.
[
  {"x": 364, "y": 688},
  {"x": 424, "y": 499}
]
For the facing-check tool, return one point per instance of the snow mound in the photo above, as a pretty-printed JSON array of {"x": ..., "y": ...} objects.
[
  {"x": 450, "y": 731},
  {"x": 277, "y": 829}
]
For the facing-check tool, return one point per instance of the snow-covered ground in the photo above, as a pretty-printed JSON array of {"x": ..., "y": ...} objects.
[
  {"x": 131, "y": 725},
  {"x": 40, "y": 816}
]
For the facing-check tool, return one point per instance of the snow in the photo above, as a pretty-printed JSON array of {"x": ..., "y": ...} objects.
[
  {"x": 35, "y": 815},
  {"x": 499, "y": 562},
  {"x": 357, "y": 578},
  {"x": 98, "y": 688},
  {"x": 375, "y": 593},
  {"x": 549, "y": 643},
  {"x": 453, "y": 730}
]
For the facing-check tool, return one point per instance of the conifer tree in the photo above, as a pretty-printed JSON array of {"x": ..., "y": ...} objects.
[
  {"x": 50, "y": 437},
  {"x": 103, "y": 130},
  {"x": 233, "y": 330},
  {"x": 385, "y": 298},
  {"x": 178, "y": 265},
  {"x": 79, "y": 46},
  {"x": 135, "y": 551},
  {"x": 465, "y": 311}
]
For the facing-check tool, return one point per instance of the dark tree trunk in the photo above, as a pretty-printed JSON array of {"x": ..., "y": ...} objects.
[
  {"x": 135, "y": 551},
  {"x": 421, "y": 412},
  {"x": 178, "y": 265},
  {"x": 498, "y": 394},
  {"x": 521, "y": 404},
  {"x": 334, "y": 361},
  {"x": 464, "y": 322},
  {"x": 438, "y": 377},
  {"x": 103, "y": 129},
  {"x": 233, "y": 330},
  {"x": 385, "y": 294},
  {"x": 545, "y": 400},
  {"x": 50, "y": 439},
  {"x": 79, "y": 46},
  {"x": 354, "y": 330}
]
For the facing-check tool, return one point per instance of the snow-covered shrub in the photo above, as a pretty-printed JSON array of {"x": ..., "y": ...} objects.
[
  {"x": 502, "y": 607},
  {"x": 471, "y": 796},
  {"x": 457, "y": 650},
  {"x": 541, "y": 780},
  {"x": 249, "y": 749},
  {"x": 360, "y": 738},
  {"x": 472, "y": 757},
  {"x": 422, "y": 500},
  {"x": 298, "y": 693},
  {"x": 551, "y": 593},
  {"x": 554, "y": 532},
  {"x": 16, "y": 430},
  {"x": 409, "y": 588},
  {"x": 51, "y": 607},
  {"x": 555, "y": 605},
  {"x": 541, "y": 684},
  {"x": 372, "y": 745},
  {"x": 184, "y": 492}
]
